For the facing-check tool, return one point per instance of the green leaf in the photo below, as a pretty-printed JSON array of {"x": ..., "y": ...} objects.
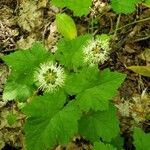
[
  {"x": 79, "y": 81},
  {"x": 11, "y": 119},
  {"x": 49, "y": 122},
  {"x": 124, "y": 6},
  {"x": 100, "y": 124},
  {"x": 66, "y": 26},
  {"x": 14, "y": 90},
  {"x": 141, "y": 139},
  {"x": 102, "y": 146},
  {"x": 23, "y": 63},
  {"x": 118, "y": 142},
  {"x": 70, "y": 53},
  {"x": 98, "y": 96},
  {"x": 147, "y": 3},
  {"x": 79, "y": 7}
]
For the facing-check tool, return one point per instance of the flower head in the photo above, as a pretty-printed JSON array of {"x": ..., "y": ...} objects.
[
  {"x": 96, "y": 51},
  {"x": 124, "y": 108},
  {"x": 49, "y": 76}
]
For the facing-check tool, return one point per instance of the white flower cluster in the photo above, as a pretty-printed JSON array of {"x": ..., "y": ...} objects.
[
  {"x": 124, "y": 108},
  {"x": 96, "y": 51},
  {"x": 137, "y": 107},
  {"x": 49, "y": 77}
]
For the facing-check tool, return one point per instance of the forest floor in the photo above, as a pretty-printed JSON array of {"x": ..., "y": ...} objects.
[{"x": 23, "y": 22}]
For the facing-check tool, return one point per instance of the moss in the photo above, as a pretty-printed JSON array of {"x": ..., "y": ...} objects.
[{"x": 29, "y": 15}]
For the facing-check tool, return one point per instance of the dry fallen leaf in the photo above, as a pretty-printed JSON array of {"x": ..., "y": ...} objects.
[
  {"x": 145, "y": 55},
  {"x": 142, "y": 70}
]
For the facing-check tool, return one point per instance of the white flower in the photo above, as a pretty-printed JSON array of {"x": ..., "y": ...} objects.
[
  {"x": 96, "y": 51},
  {"x": 124, "y": 108},
  {"x": 49, "y": 77}
]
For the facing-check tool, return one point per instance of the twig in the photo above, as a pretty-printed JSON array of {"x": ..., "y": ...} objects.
[
  {"x": 142, "y": 20},
  {"x": 142, "y": 39},
  {"x": 117, "y": 25}
]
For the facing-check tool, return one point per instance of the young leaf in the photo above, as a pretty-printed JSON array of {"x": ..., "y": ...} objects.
[
  {"x": 66, "y": 26},
  {"x": 49, "y": 122},
  {"x": 23, "y": 64},
  {"x": 100, "y": 124},
  {"x": 79, "y": 7},
  {"x": 142, "y": 70},
  {"x": 141, "y": 139},
  {"x": 98, "y": 96},
  {"x": 124, "y": 6},
  {"x": 70, "y": 53},
  {"x": 102, "y": 146}
]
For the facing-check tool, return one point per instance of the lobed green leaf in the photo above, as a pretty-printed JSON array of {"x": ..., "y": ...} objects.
[
  {"x": 98, "y": 96},
  {"x": 82, "y": 80},
  {"x": 100, "y": 124},
  {"x": 124, "y": 6},
  {"x": 102, "y": 146},
  {"x": 23, "y": 64},
  {"x": 141, "y": 139},
  {"x": 70, "y": 52},
  {"x": 79, "y": 7},
  {"x": 49, "y": 122}
]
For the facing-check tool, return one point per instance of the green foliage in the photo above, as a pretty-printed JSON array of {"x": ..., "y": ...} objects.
[
  {"x": 14, "y": 90},
  {"x": 79, "y": 7},
  {"x": 54, "y": 117},
  {"x": 141, "y": 139},
  {"x": 23, "y": 64},
  {"x": 118, "y": 142},
  {"x": 11, "y": 119},
  {"x": 89, "y": 76},
  {"x": 83, "y": 106},
  {"x": 104, "y": 124},
  {"x": 66, "y": 26},
  {"x": 70, "y": 53},
  {"x": 124, "y": 6},
  {"x": 147, "y": 2},
  {"x": 105, "y": 88},
  {"x": 102, "y": 146},
  {"x": 49, "y": 123}
]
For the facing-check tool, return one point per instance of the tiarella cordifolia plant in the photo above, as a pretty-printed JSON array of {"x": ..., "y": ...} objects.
[{"x": 53, "y": 117}]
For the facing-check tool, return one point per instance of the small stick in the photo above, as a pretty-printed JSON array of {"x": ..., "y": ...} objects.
[
  {"x": 137, "y": 21},
  {"x": 117, "y": 25}
]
